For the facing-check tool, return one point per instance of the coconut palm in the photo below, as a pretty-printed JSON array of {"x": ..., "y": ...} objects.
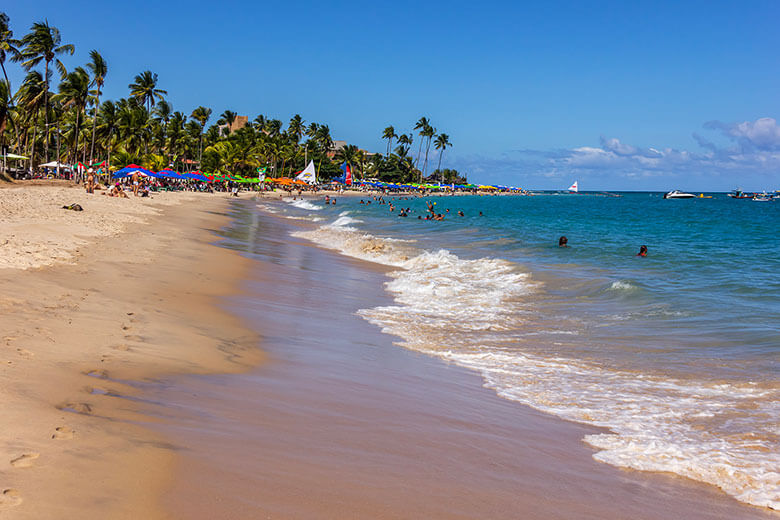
[
  {"x": 43, "y": 44},
  {"x": 428, "y": 132},
  {"x": 74, "y": 93},
  {"x": 107, "y": 125},
  {"x": 99, "y": 68},
  {"x": 5, "y": 104},
  {"x": 228, "y": 117},
  {"x": 144, "y": 89},
  {"x": 325, "y": 142},
  {"x": 296, "y": 128},
  {"x": 201, "y": 115},
  {"x": 7, "y": 45},
  {"x": 30, "y": 99},
  {"x": 421, "y": 125},
  {"x": 441, "y": 144},
  {"x": 389, "y": 134}
]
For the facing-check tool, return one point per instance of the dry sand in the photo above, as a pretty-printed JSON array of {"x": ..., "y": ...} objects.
[{"x": 128, "y": 293}]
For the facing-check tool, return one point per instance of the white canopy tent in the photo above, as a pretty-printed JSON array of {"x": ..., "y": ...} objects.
[{"x": 54, "y": 164}]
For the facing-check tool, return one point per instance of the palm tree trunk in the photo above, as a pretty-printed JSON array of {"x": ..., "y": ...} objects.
[
  {"x": 200, "y": 147},
  {"x": 46, "y": 109},
  {"x": 441, "y": 176},
  {"x": 94, "y": 127}
]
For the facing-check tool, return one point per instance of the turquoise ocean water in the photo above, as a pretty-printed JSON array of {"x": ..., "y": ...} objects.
[{"x": 677, "y": 353}]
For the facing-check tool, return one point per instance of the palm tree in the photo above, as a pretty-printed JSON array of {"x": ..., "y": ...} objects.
[
  {"x": 145, "y": 90},
  {"x": 421, "y": 125},
  {"x": 325, "y": 141},
  {"x": 99, "y": 68},
  {"x": 30, "y": 99},
  {"x": 108, "y": 126},
  {"x": 228, "y": 117},
  {"x": 428, "y": 132},
  {"x": 296, "y": 128},
  {"x": 7, "y": 45},
  {"x": 201, "y": 115},
  {"x": 74, "y": 93},
  {"x": 441, "y": 144},
  {"x": 43, "y": 43},
  {"x": 389, "y": 134},
  {"x": 5, "y": 103}
]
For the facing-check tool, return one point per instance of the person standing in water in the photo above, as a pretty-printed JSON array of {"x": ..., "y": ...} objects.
[
  {"x": 563, "y": 242},
  {"x": 642, "y": 251}
]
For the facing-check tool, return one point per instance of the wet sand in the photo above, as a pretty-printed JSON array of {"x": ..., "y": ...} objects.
[{"x": 341, "y": 423}]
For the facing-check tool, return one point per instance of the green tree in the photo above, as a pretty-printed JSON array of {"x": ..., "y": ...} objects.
[
  {"x": 389, "y": 134},
  {"x": 74, "y": 93},
  {"x": 7, "y": 46},
  {"x": 228, "y": 117},
  {"x": 43, "y": 44},
  {"x": 296, "y": 128},
  {"x": 201, "y": 115},
  {"x": 99, "y": 68},
  {"x": 144, "y": 89},
  {"x": 428, "y": 132},
  {"x": 441, "y": 144},
  {"x": 421, "y": 125}
]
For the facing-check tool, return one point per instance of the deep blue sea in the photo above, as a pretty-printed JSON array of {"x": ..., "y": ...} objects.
[{"x": 676, "y": 353}]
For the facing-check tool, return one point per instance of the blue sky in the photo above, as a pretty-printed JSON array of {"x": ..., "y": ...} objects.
[{"x": 619, "y": 95}]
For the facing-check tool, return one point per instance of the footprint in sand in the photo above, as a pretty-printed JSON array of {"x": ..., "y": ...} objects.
[
  {"x": 134, "y": 337},
  {"x": 100, "y": 374},
  {"x": 25, "y": 461},
  {"x": 82, "y": 408},
  {"x": 106, "y": 358},
  {"x": 9, "y": 498},
  {"x": 63, "y": 433},
  {"x": 122, "y": 347},
  {"x": 25, "y": 353}
]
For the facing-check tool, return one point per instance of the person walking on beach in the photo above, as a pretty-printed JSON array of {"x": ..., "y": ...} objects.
[
  {"x": 90, "y": 181},
  {"x": 135, "y": 183},
  {"x": 642, "y": 251}
]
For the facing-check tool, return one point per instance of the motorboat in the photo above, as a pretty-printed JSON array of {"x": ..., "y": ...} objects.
[
  {"x": 677, "y": 194},
  {"x": 739, "y": 194}
]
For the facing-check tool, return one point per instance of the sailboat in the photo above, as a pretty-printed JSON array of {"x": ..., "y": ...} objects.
[
  {"x": 308, "y": 174},
  {"x": 573, "y": 188}
]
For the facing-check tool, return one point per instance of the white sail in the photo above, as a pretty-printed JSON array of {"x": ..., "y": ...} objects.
[
  {"x": 308, "y": 175},
  {"x": 573, "y": 187}
]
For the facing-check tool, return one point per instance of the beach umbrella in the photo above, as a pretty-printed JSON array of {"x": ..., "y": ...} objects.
[
  {"x": 130, "y": 169},
  {"x": 18, "y": 157},
  {"x": 169, "y": 174}
]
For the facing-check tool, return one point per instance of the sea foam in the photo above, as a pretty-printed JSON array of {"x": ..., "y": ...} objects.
[{"x": 475, "y": 312}]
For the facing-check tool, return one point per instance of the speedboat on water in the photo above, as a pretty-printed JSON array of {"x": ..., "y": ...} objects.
[
  {"x": 677, "y": 194},
  {"x": 763, "y": 197}
]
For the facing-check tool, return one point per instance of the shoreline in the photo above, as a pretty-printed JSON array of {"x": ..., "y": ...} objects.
[
  {"x": 134, "y": 302},
  {"x": 341, "y": 421}
]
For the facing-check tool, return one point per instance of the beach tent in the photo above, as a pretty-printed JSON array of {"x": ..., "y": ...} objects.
[{"x": 53, "y": 164}]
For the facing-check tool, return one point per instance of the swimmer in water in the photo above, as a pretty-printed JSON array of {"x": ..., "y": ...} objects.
[
  {"x": 642, "y": 251},
  {"x": 563, "y": 242}
]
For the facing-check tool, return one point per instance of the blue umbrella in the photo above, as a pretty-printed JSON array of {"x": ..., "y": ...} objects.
[{"x": 130, "y": 169}]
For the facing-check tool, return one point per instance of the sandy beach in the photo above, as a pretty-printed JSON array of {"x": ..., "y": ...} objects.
[{"x": 122, "y": 291}]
